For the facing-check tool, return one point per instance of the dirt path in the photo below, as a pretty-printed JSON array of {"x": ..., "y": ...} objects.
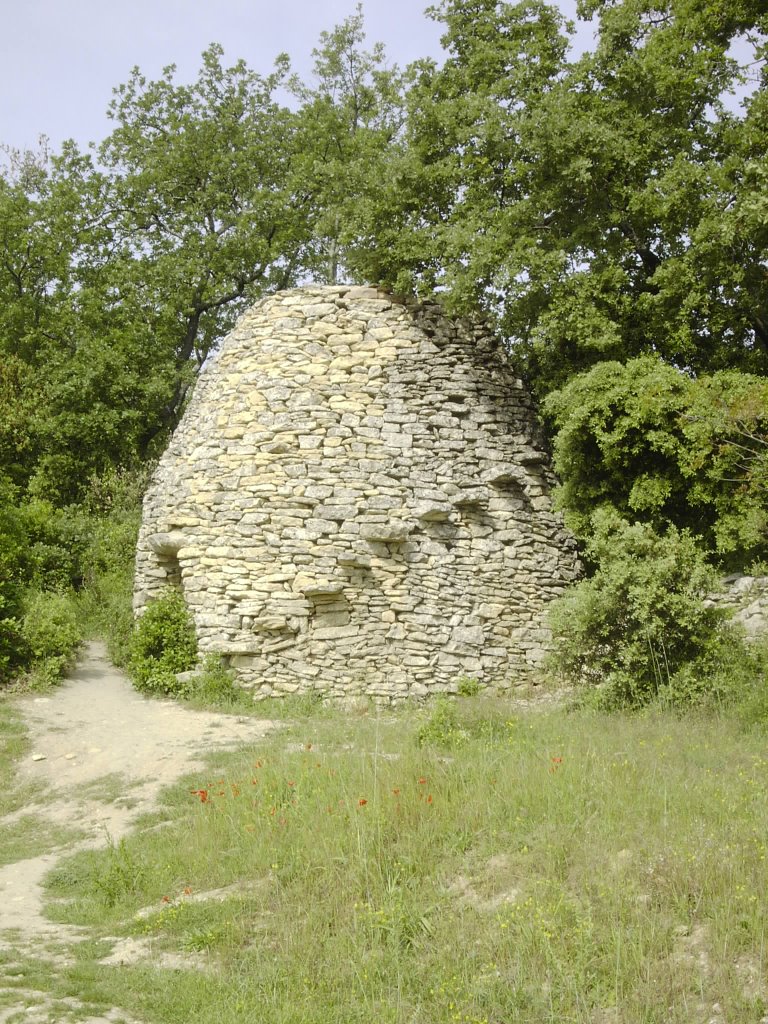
[{"x": 93, "y": 727}]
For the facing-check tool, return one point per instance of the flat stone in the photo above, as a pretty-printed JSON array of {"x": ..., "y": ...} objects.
[
  {"x": 166, "y": 543},
  {"x": 335, "y": 632},
  {"x": 392, "y": 532}
]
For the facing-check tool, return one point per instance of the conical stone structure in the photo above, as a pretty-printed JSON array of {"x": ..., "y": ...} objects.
[{"x": 356, "y": 501}]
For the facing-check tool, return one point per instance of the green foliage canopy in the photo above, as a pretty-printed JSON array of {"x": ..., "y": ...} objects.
[
  {"x": 596, "y": 209},
  {"x": 653, "y": 443}
]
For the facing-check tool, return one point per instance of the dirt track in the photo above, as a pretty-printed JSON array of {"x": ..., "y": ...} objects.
[{"x": 96, "y": 725}]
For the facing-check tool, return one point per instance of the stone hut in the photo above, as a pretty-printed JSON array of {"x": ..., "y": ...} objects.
[{"x": 357, "y": 501}]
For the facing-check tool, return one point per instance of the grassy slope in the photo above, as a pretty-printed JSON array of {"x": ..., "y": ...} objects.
[{"x": 551, "y": 867}]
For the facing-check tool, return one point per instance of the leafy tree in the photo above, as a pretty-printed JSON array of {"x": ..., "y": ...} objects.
[
  {"x": 606, "y": 212},
  {"x": 598, "y": 208},
  {"x": 205, "y": 209},
  {"x": 116, "y": 283},
  {"x": 726, "y": 427},
  {"x": 652, "y": 443},
  {"x": 82, "y": 383},
  {"x": 348, "y": 119}
]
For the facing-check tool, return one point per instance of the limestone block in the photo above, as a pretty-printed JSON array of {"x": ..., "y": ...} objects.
[
  {"x": 490, "y": 611},
  {"x": 167, "y": 544},
  {"x": 337, "y": 513},
  {"x": 288, "y": 608},
  {"x": 470, "y": 497},
  {"x": 314, "y": 587},
  {"x": 335, "y": 632},
  {"x": 354, "y": 560},
  {"x": 432, "y": 511},
  {"x": 270, "y": 624},
  {"x": 468, "y": 635},
  {"x": 392, "y": 532},
  {"x": 274, "y": 646},
  {"x": 319, "y": 309},
  {"x": 330, "y": 618}
]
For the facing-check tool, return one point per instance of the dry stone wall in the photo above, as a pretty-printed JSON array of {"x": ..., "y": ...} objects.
[
  {"x": 357, "y": 501},
  {"x": 746, "y": 597}
]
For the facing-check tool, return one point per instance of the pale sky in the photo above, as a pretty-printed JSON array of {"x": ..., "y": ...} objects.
[{"x": 60, "y": 59}]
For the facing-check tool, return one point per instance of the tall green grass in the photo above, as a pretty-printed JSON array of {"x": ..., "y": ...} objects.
[{"x": 480, "y": 868}]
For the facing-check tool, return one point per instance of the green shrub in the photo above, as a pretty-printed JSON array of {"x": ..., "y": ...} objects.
[
  {"x": 112, "y": 546},
  {"x": 163, "y": 644},
  {"x": 216, "y": 683},
  {"x": 655, "y": 443},
  {"x": 51, "y": 633},
  {"x": 122, "y": 875},
  {"x": 639, "y": 626},
  {"x": 13, "y": 563},
  {"x": 213, "y": 685},
  {"x": 13, "y": 648},
  {"x": 113, "y": 501},
  {"x": 59, "y": 539},
  {"x": 442, "y": 727},
  {"x": 752, "y": 698}
]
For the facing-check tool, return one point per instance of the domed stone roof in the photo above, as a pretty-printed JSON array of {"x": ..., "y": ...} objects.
[{"x": 356, "y": 501}]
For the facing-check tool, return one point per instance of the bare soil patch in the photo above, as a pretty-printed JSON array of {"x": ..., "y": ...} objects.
[{"x": 92, "y": 731}]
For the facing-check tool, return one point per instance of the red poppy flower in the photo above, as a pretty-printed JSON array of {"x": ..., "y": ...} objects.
[{"x": 362, "y": 802}]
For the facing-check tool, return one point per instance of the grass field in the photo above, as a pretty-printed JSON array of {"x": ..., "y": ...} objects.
[{"x": 462, "y": 864}]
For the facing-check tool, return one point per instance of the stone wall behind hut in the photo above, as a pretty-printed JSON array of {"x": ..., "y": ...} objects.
[{"x": 357, "y": 501}]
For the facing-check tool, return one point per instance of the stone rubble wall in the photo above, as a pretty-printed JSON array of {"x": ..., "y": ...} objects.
[
  {"x": 357, "y": 501},
  {"x": 747, "y": 598}
]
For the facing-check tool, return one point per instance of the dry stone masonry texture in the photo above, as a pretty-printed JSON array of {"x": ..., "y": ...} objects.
[
  {"x": 356, "y": 502},
  {"x": 746, "y": 597}
]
